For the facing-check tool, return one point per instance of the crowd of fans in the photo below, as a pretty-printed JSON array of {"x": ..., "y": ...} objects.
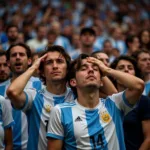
[{"x": 37, "y": 34}]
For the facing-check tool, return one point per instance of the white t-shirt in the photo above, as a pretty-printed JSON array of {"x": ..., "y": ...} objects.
[{"x": 6, "y": 120}]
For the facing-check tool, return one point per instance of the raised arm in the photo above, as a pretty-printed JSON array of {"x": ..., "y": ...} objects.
[
  {"x": 15, "y": 90},
  {"x": 108, "y": 88},
  {"x": 134, "y": 85}
]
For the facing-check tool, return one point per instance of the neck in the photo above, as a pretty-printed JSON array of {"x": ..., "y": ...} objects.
[
  {"x": 87, "y": 50},
  {"x": 88, "y": 98},
  {"x": 146, "y": 77},
  {"x": 56, "y": 88}
]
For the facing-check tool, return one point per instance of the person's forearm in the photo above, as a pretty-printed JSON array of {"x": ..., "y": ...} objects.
[
  {"x": 145, "y": 145},
  {"x": 108, "y": 88},
  {"x": 126, "y": 79},
  {"x": 9, "y": 147},
  {"x": 18, "y": 85}
]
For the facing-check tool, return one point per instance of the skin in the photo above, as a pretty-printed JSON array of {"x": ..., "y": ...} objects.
[
  {"x": 144, "y": 63},
  {"x": 12, "y": 34},
  {"x": 18, "y": 61},
  {"x": 4, "y": 69},
  {"x": 87, "y": 40},
  {"x": 103, "y": 57},
  {"x": 145, "y": 37},
  {"x": 8, "y": 139}
]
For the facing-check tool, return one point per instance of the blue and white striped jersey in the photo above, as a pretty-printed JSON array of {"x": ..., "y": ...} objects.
[
  {"x": 6, "y": 120},
  {"x": 83, "y": 128},
  {"x": 37, "y": 107},
  {"x": 20, "y": 129}
]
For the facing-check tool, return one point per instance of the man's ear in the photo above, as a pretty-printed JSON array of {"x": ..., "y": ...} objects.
[
  {"x": 73, "y": 82},
  {"x": 29, "y": 61}
]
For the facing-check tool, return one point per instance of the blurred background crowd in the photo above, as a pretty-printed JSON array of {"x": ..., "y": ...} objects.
[{"x": 60, "y": 21}]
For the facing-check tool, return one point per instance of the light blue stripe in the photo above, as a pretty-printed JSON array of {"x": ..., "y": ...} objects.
[
  {"x": 59, "y": 100},
  {"x": 117, "y": 116},
  {"x": 147, "y": 88},
  {"x": 67, "y": 104},
  {"x": 34, "y": 116},
  {"x": 2, "y": 90},
  {"x": 37, "y": 85},
  {"x": 95, "y": 130},
  {"x": 17, "y": 129},
  {"x": 67, "y": 122},
  {"x": 50, "y": 135}
]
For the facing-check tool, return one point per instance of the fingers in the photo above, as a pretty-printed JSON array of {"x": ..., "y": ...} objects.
[
  {"x": 43, "y": 57},
  {"x": 94, "y": 60}
]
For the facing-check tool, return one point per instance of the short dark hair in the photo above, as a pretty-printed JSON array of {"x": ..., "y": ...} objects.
[
  {"x": 97, "y": 52},
  {"x": 27, "y": 48},
  {"x": 137, "y": 53},
  {"x": 2, "y": 53},
  {"x": 11, "y": 26},
  {"x": 130, "y": 39},
  {"x": 54, "y": 48},
  {"x": 127, "y": 58},
  {"x": 106, "y": 41},
  {"x": 74, "y": 67},
  {"x": 87, "y": 30}
]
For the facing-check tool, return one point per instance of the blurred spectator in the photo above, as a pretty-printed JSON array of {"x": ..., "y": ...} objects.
[
  {"x": 4, "y": 69},
  {"x": 38, "y": 43},
  {"x": 87, "y": 38},
  {"x": 132, "y": 43},
  {"x": 3, "y": 36},
  {"x": 117, "y": 40},
  {"x": 143, "y": 63},
  {"x": 144, "y": 37},
  {"x": 20, "y": 38},
  {"x": 60, "y": 40},
  {"x": 100, "y": 55},
  {"x": 12, "y": 34},
  {"x": 108, "y": 49}
]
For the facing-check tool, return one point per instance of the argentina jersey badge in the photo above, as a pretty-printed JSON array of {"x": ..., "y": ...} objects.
[
  {"x": 105, "y": 116},
  {"x": 47, "y": 107}
]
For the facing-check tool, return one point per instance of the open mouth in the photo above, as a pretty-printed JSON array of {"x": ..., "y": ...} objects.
[{"x": 18, "y": 64}]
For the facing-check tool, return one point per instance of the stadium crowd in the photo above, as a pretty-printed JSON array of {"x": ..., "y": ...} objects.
[{"x": 75, "y": 75}]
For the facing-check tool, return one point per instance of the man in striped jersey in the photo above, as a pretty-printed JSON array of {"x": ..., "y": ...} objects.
[
  {"x": 37, "y": 105},
  {"x": 90, "y": 122},
  {"x": 19, "y": 59}
]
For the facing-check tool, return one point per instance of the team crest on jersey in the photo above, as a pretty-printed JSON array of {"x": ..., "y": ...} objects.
[
  {"x": 47, "y": 107},
  {"x": 105, "y": 117}
]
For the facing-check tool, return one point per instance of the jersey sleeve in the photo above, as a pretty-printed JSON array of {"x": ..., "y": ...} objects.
[
  {"x": 55, "y": 127},
  {"x": 7, "y": 114},
  {"x": 121, "y": 102},
  {"x": 30, "y": 96}
]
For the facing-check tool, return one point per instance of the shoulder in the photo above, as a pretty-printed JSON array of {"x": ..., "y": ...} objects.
[{"x": 66, "y": 105}]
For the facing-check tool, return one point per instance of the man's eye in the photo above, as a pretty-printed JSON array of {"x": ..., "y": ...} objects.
[
  {"x": 48, "y": 62},
  {"x": 60, "y": 60}
]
